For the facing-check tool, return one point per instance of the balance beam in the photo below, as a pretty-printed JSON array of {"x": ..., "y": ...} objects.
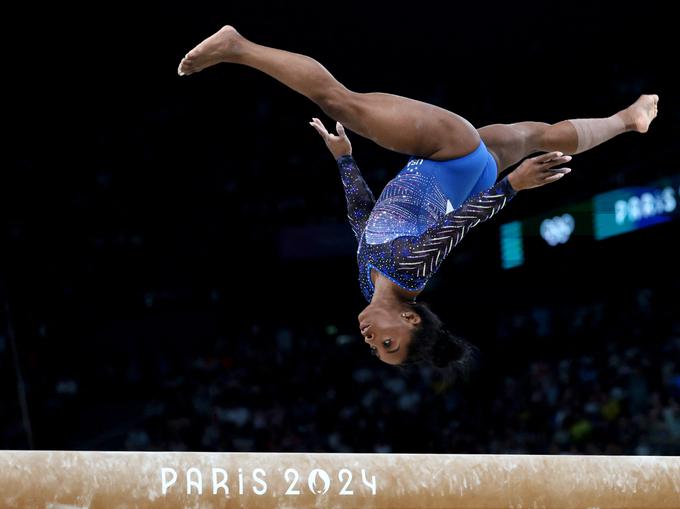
[{"x": 155, "y": 480}]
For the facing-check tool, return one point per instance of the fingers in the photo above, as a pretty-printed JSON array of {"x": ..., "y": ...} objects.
[
  {"x": 557, "y": 176},
  {"x": 340, "y": 128},
  {"x": 554, "y": 178},
  {"x": 551, "y": 163},
  {"x": 552, "y": 158},
  {"x": 318, "y": 125},
  {"x": 547, "y": 157}
]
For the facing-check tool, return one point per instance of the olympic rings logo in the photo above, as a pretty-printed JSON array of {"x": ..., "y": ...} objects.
[{"x": 558, "y": 229}]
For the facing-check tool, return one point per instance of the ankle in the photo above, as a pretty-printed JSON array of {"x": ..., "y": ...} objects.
[{"x": 627, "y": 119}]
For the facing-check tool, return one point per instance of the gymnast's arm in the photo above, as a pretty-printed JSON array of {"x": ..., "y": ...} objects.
[
  {"x": 424, "y": 253},
  {"x": 360, "y": 200}
]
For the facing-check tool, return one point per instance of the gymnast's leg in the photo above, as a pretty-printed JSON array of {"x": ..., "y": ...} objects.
[
  {"x": 510, "y": 143},
  {"x": 394, "y": 122}
]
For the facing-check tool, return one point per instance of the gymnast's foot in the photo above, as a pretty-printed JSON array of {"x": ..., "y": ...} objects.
[
  {"x": 640, "y": 114},
  {"x": 222, "y": 46}
]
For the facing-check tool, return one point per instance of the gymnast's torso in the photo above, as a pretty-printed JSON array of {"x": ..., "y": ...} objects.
[{"x": 421, "y": 214}]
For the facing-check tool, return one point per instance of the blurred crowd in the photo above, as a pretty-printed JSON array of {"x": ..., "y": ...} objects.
[{"x": 311, "y": 388}]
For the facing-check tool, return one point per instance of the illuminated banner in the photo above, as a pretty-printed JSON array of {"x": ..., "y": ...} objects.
[
  {"x": 605, "y": 215},
  {"x": 631, "y": 208}
]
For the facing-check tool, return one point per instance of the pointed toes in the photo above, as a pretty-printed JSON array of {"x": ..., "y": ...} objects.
[{"x": 185, "y": 67}]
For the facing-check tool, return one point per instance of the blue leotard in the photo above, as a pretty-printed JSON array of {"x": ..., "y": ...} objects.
[{"x": 421, "y": 214}]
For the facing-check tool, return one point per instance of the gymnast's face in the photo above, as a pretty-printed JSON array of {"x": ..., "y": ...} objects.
[{"x": 387, "y": 331}]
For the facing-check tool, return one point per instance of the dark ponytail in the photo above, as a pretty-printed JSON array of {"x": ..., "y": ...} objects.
[{"x": 435, "y": 345}]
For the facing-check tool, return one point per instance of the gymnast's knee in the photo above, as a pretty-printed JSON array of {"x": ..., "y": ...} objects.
[
  {"x": 336, "y": 102},
  {"x": 538, "y": 137}
]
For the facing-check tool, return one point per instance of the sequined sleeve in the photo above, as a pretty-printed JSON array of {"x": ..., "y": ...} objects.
[
  {"x": 423, "y": 254},
  {"x": 360, "y": 200}
]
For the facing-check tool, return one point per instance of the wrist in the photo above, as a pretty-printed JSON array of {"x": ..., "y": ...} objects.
[{"x": 513, "y": 181}]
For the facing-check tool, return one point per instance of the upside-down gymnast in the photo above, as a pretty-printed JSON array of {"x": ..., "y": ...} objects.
[{"x": 447, "y": 187}]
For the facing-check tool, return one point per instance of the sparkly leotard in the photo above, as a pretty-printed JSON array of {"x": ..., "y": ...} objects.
[{"x": 421, "y": 214}]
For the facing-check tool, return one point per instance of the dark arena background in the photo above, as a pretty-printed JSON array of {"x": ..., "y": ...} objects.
[{"x": 178, "y": 272}]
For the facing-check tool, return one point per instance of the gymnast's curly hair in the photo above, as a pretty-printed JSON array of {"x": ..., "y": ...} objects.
[{"x": 432, "y": 344}]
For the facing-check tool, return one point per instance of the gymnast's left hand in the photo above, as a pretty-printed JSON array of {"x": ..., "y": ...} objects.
[
  {"x": 539, "y": 171},
  {"x": 338, "y": 145}
]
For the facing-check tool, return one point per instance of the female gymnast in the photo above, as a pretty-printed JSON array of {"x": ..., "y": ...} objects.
[{"x": 447, "y": 187}]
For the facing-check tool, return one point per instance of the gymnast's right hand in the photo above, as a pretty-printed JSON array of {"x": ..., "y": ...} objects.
[{"x": 338, "y": 145}]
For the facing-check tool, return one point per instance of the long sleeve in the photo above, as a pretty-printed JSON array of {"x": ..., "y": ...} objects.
[
  {"x": 360, "y": 200},
  {"x": 422, "y": 255}
]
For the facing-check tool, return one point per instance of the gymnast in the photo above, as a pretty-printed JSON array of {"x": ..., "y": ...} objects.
[{"x": 447, "y": 187}]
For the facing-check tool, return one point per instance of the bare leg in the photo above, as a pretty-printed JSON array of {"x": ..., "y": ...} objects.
[
  {"x": 394, "y": 122},
  {"x": 510, "y": 143}
]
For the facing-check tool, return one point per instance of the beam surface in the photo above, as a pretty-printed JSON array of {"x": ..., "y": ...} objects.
[{"x": 154, "y": 480}]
